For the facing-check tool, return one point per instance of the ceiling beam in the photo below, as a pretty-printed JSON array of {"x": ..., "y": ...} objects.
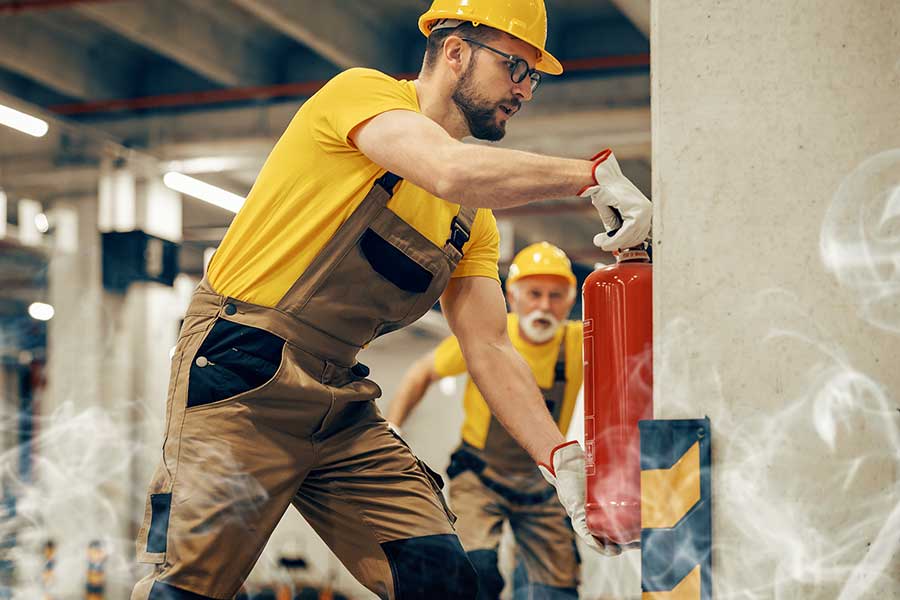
[
  {"x": 590, "y": 105},
  {"x": 185, "y": 35},
  {"x": 638, "y": 12},
  {"x": 45, "y": 178},
  {"x": 36, "y": 52},
  {"x": 331, "y": 29}
]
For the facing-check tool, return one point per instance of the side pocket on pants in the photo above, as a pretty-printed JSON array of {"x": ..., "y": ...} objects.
[
  {"x": 434, "y": 479},
  {"x": 157, "y": 536},
  {"x": 437, "y": 484}
]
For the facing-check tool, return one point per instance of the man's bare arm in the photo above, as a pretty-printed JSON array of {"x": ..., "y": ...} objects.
[
  {"x": 416, "y": 148},
  {"x": 415, "y": 383},
  {"x": 475, "y": 310}
]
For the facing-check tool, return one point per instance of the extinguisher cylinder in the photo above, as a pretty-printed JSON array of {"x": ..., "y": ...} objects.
[{"x": 618, "y": 392}]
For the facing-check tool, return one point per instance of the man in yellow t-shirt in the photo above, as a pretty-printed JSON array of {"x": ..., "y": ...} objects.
[
  {"x": 368, "y": 210},
  {"x": 492, "y": 479}
]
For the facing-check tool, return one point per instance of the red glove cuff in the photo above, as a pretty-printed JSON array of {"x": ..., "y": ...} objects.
[
  {"x": 596, "y": 159},
  {"x": 552, "y": 452}
]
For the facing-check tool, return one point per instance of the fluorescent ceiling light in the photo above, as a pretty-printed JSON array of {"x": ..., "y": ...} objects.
[
  {"x": 203, "y": 191},
  {"x": 41, "y": 311},
  {"x": 208, "y": 164},
  {"x": 24, "y": 123}
]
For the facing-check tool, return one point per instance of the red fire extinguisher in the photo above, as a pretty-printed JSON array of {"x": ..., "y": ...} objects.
[{"x": 618, "y": 391}]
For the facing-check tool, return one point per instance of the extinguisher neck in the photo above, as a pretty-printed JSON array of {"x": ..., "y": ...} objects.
[{"x": 638, "y": 254}]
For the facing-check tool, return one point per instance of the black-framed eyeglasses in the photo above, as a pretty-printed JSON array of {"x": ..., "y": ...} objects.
[{"x": 518, "y": 67}]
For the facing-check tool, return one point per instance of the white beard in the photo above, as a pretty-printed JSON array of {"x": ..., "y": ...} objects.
[{"x": 535, "y": 333}]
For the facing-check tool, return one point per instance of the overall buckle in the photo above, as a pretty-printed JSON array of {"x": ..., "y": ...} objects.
[{"x": 458, "y": 234}]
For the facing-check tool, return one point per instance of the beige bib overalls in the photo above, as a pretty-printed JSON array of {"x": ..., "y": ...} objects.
[{"x": 268, "y": 407}]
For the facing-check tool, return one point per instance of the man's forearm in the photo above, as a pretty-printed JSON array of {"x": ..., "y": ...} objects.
[
  {"x": 510, "y": 390},
  {"x": 412, "y": 389},
  {"x": 487, "y": 177}
]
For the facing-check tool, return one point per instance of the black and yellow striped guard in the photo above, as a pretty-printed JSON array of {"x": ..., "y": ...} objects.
[{"x": 676, "y": 510}]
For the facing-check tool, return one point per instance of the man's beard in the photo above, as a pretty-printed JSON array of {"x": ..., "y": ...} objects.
[
  {"x": 536, "y": 333},
  {"x": 480, "y": 114}
]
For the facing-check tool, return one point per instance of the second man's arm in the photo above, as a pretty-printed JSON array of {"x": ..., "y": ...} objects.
[{"x": 413, "y": 386}]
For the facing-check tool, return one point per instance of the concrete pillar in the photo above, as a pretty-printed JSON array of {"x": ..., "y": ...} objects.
[
  {"x": 28, "y": 209},
  {"x": 776, "y": 157},
  {"x": 108, "y": 369},
  {"x": 3, "y": 223}
]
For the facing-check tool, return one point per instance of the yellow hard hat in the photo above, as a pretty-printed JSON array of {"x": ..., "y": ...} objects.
[
  {"x": 540, "y": 259},
  {"x": 522, "y": 19}
]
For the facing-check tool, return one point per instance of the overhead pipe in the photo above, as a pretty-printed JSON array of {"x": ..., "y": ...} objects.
[
  {"x": 22, "y": 6},
  {"x": 305, "y": 89}
]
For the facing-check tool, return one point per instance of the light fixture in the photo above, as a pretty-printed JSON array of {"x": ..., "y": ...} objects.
[
  {"x": 207, "y": 164},
  {"x": 203, "y": 191},
  {"x": 447, "y": 386},
  {"x": 41, "y": 311},
  {"x": 41, "y": 222},
  {"x": 22, "y": 122}
]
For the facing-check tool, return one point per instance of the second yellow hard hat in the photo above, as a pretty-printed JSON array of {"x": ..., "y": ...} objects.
[{"x": 540, "y": 259}]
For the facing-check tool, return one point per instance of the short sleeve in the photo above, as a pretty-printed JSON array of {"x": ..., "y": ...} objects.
[
  {"x": 482, "y": 252},
  {"x": 353, "y": 97}
]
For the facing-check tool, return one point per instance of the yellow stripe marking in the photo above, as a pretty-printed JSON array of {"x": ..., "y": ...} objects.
[
  {"x": 667, "y": 494},
  {"x": 687, "y": 589}
]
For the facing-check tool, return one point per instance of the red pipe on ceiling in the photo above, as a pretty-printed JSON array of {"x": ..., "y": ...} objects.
[
  {"x": 303, "y": 89},
  {"x": 20, "y": 6}
]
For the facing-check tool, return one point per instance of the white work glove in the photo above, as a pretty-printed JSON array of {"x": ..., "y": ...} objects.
[
  {"x": 621, "y": 205},
  {"x": 566, "y": 474}
]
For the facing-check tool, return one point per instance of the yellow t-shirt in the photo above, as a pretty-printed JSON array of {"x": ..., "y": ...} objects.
[
  {"x": 448, "y": 360},
  {"x": 312, "y": 182}
]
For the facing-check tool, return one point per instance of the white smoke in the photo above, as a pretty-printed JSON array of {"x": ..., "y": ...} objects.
[
  {"x": 80, "y": 477},
  {"x": 83, "y": 475},
  {"x": 860, "y": 239},
  {"x": 786, "y": 477}
]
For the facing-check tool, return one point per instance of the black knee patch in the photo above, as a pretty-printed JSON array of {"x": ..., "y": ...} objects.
[
  {"x": 490, "y": 581},
  {"x": 164, "y": 591},
  {"x": 431, "y": 566}
]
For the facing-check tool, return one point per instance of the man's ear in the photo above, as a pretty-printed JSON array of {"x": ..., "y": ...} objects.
[{"x": 455, "y": 54}]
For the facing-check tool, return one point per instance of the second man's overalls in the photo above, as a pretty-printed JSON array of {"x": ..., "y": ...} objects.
[{"x": 500, "y": 482}]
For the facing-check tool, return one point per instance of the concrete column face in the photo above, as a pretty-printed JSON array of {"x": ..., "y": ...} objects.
[
  {"x": 108, "y": 368},
  {"x": 159, "y": 209},
  {"x": 776, "y": 157},
  {"x": 4, "y": 200},
  {"x": 28, "y": 209},
  {"x": 117, "y": 198},
  {"x": 83, "y": 446}
]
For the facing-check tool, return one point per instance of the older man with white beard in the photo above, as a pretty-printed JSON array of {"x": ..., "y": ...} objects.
[{"x": 492, "y": 478}]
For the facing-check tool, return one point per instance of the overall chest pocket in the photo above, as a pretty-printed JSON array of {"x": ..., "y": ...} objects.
[
  {"x": 393, "y": 264},
  {"x": 232, "y": 360}
]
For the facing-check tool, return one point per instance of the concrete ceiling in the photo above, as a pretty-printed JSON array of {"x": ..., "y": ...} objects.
[{"x": 173, "y": 80}]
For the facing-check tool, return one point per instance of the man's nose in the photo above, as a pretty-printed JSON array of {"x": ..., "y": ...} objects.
[{"x": 522, "y": 90}]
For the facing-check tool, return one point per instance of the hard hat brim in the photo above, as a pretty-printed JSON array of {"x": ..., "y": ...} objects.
[
  {"x": 567, "y": 275},
  {"x": 546, "y": 63}
]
